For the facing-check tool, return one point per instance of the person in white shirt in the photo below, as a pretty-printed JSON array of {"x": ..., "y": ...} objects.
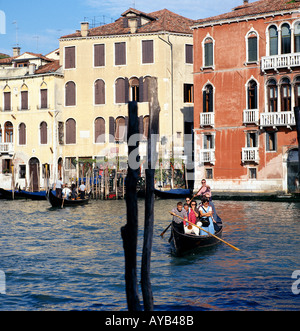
[
  {"x": 58, "y": 188},
  {"x": 82, "y": 190},
  {"x": 66, "y": 192}
]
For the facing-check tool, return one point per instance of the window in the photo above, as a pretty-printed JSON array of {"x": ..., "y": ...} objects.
[
  {"x": 122, "y": 90},
  {"x": 286, "y": 90},
  {"x": 285, "y": 39},
  {"x": 297, "y": 37},
  {"x": 252, "y": 47},
  {"x": 208, "y": 52},
  {"x": 208, "y": 99},
  {"x": 0, "y": 134},
  {"x": 70, "y": 163},
  {"x": 273, "y": 38},
  {"x": 99, "y": 55},
  {"x": 147, "y": 52},
  {"x": 209, "y": 141},
  {"x": 70, "y": 57},
  {"x": 44, "y": 133},
  {"x": 189, "y": 54},
  {"x": 22, "y": 171},
  {"x": 6, "y": 166},
  {"x": 297, "y": 92},
  {"x": 44, "y": 98},
  {"x": 120, "y": 132},
  {"x": 271, "y": 141},
  {"x": 120, "y": 54},
  {"x": 209, "y": 173},
  {"x": 7, "y": 99},
  {"x": 188, "y": 93},
  {"x": 272, "y": 95},
  {"x": 134, "y": 84},
  {"x": 252, "y": 139},
  {"x": 252, "y": 95},
  {"x": 70, "y": 131},
  {"x": 252, "y": 173},
  {"x": 99, "y": 92},
  {"x": 24, "y": 97},
  {"x": 8, "y": 132},
  {"x": 99, "y": 130},
  {"x": 22, "y": 134},
  {"x": 70, "y": 94}
]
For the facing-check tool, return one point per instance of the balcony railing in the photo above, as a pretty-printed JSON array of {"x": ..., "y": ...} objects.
[
  {"x": 250, "y": 154},
  {"x": 6, "y": 148},
  {"x": 284, "y": 118},
  {"x": 208, "y": 156},
  {"x": 207, "y": 119},
  {"x": 251, "y": 116},
  {"x": 280, "y": 61}
]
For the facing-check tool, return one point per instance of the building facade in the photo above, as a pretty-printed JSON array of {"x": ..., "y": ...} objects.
[
  {"x": 107, "y": 66},
  {"x": 247, "y": 83},
  {"x": 30, "y": 100}
]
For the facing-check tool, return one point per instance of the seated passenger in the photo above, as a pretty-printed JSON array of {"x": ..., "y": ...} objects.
[
  {"x": 178, "y": 222},
  {"x": 206, "y": 213},
  {"x": 66, "y": 193},
  {"x": 193, "y": 217}
]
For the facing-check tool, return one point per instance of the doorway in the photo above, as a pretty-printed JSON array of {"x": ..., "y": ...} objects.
[
  {"x": 34, "y": 173},
  {"x": 292, "y": 170}
]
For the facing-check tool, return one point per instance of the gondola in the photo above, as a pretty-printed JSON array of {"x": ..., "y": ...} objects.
[
  {"x": 36, "y": 196},
  {"x": 59, "y": 203},
  {"x": 173, "y": 194},
  {"x": 21, "y": 194},
  {"x": 10, "y": 195},
  {"x": 185, "y": 243}
]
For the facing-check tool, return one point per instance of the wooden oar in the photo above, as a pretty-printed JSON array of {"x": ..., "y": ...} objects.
[
  {"x": 166, "y": 230},
  {"x": 237, "y": 249},
  {"x": 62, "y": 206}
]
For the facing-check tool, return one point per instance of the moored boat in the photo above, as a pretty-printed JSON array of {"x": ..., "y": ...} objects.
[
  {"x": 60, "y": 203},
  {"x": 173, "y": 194},
  {"x": 185, "y": 243},
  {"x": 42, "y": 195},
  {"x": 21, "y": 194},
  {"x": 10, "y": 195}
]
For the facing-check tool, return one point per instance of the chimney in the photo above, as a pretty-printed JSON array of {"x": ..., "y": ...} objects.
[
  {"x": 16, "y": 51},
  {"x": 85, "y": 29},
  {"x": 246, "y": 1},
  {"x": 32, "y": 67}
]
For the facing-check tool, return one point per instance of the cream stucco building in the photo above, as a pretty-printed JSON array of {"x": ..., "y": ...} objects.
[{"x": 107, "y": 66}]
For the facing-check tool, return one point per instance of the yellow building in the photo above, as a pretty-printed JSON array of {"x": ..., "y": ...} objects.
[
  {"x": 107, "y": 66},
  {"x": 30, "y": 100}
]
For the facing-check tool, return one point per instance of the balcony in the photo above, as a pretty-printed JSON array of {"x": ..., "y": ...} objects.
[
  {"x": 286, "y": 118},
  {"x": 208, "y": 156},
  {"x": 275, "y": 62},
  {"x": 250, "y": 154},
  {"x": 251, "y": 116},
  {"x": 7, "y": 148},
  {"x": 207, "y": 119}
]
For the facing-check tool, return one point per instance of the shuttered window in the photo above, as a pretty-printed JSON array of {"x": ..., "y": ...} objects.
[
  {"x": 70, "y": 57},
  {"x": 147, "y": 52},
  {"x": 99, "y": 55},
  {"x": 273, "y": 35},
  {"x": 252, "y": 48},
  {"x": 70, "y": 131},
  {"x": 7, "y": 101},
  {"x": 285, "y": 39},
  {"x": 24, "y": 100},
  {"x": 44, "y": 99},
  {"x": 99, "y": 92},
  {"x": 22, "y": 134},
  {"x": 8, "y": 132},
  {"x": 189, "y": 56},
  {"x": 70, "y": 92},
  {"x": 44, "y": 133},
  {"x": 99, "y": 130},
  {"x": 120, "y": 54},
  {"x": 121, "y": 90},
  {"x": 208, "y": 99},
  {"x": 120, "y": 129},
  {"x": 208, "y": 53}
]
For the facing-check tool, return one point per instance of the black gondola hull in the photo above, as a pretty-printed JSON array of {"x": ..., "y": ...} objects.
[
  {"x": 173, "y": 194},
  {"x": 60, "y": 203},
  {"x": 184, "y": 243}
]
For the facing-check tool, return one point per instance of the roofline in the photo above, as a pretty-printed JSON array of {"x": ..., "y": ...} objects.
[{"x": 238, "y": 19}]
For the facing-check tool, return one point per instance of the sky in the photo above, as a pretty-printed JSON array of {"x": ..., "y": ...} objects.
[{"x": 37, "y": 25}]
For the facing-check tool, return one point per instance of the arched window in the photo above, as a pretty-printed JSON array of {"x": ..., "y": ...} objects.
[
  {"x": 134, "y": 84},
  {"x": 44, "y": 96},
  {"x": 252, "y": 94},
  {"x": 297, "y": 37},
  {"x": 70, "y": 131},
  {"x": 70, "y": 94},
  {"x": 252, "y": 47},
  {"x": 285, "y": 39},
  {"x": 7, "y": 98},
  {"x": 272, "y": 95},
  {"x": 24, "y": 97},
  {"x": 22, "y": 134},
  {"x": 273, "y": 38},
  {"x": 208, "y": 99},
  {"x": 44, "y": 133},
  {"x": 208, "y": 52},
  {"x": 122, "y": 90},
  {"x": 286, "y": 91},
  {"x": 8, "y": 132},
  {"x": 120, "y": 129},
  {"x": 99, "y": 130},
  {"x": 297, "y": 92},
  {"x": 99, "y": 92}
]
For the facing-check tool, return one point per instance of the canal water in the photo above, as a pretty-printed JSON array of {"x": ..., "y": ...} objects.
[{"x": 72, "y": 259}]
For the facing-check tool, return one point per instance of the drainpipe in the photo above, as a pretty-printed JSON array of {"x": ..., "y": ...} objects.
[{"x": 172, "y": 88}]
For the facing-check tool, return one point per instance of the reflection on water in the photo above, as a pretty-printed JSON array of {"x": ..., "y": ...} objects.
[{"x": 73, "y": 258}]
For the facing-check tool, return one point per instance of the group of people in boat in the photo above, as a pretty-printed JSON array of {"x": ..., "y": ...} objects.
[
  {"x": 63, "y": 191},
  {"x": 197, "y": 216}
]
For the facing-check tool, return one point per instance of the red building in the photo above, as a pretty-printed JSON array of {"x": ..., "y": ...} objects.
[{"x": 247, "y": 83}]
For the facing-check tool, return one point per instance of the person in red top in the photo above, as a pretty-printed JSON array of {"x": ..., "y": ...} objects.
[{"x": 193, "y": 218}]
